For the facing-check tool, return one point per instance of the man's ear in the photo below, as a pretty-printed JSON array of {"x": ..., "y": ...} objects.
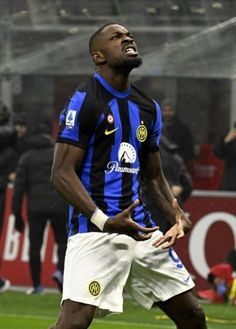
[{"x": 98, "y": 57}]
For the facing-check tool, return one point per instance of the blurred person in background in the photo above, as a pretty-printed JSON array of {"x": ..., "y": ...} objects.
[
  {"x": 21, "y": 140},
  {"x": 177, "y": 132},
  {"x": 43, "y": 204},
  {"x": 225, "y": 149},
  {"x": 175, "y": 170},
  {"x": 178, "y": 178},
  {"x": 222, "y": 280},
  {"x": 21, "y": 127},
  {"x": 206, "y": 169},
  {"x": 7, "y": 160},
  {"x": 7, "y": 153}
]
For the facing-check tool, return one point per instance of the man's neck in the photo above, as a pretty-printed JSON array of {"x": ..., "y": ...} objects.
[{"x": 118, "y": 81}]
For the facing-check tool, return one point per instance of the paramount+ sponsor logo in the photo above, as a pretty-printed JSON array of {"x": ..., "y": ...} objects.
[{"x": 126, "y": 156}]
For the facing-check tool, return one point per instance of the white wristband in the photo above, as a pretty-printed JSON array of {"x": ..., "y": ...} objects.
[{"x": 99, "y": 218}]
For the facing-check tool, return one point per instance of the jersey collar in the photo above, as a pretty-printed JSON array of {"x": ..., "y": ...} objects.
[{"x": 107, "y": 86}]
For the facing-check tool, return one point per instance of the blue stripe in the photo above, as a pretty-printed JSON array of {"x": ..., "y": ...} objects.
[
  {"x": 87, "y": 164},
  {"x": 70, "y": 218},
  {"x": 113, "y": 180},
  {"x": 83, "y": 223},
  {"x": 107, "y": 86},
  {"x": 72, "y": 131}
]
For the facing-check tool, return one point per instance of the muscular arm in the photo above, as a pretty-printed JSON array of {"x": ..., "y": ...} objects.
[
  {"x": 157, "y": 189},
  {"x": 68, "y": 158}
]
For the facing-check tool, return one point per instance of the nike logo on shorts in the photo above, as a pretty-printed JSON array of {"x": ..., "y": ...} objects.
[
  {"x": 186, "y": 279},
  {"x": 108, "y": 132}
]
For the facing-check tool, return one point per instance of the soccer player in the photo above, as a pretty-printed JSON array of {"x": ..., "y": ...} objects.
[{"x": 108, "y": 141}]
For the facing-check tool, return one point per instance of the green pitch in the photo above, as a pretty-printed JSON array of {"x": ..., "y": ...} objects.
[{"x": 20, "y": 311}]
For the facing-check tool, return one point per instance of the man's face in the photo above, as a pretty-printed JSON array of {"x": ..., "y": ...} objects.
[
  {"x": 21, "y": 130},
  {"x": 167, "y": 112},
  {"x": 118, "y": 48}
]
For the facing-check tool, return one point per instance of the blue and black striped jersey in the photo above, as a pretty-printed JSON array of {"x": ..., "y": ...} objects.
[{"x": 116, "y": 129}]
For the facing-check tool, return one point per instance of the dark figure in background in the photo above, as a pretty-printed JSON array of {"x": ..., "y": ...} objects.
[
  {"x": 175, "y": 170},
  {"x": 7, "y": 160},
  {"x": 21, "y": 127},
  {"x": 7, "y": 154},
  {"x": 21, "y": 141},
  {"x": 178, "y": 178},
  {"x": 109, "y": 136},
  {"x": 43, "y": 204},
  {"x": 177, "y": 132},
  {"x": 225, "y": 149}
]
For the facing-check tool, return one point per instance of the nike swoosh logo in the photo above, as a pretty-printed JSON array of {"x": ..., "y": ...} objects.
[
  {"x": 186, "y": 279},
  {"x": 108, "y": 132}
]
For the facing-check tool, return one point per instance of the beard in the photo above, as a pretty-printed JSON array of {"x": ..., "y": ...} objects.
[
  {"x": 128, "y": 64},
  {"x": 132, "y": 63}
]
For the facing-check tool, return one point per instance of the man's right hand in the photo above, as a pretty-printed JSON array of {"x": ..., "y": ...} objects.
[{"x": 122, "y": 223}]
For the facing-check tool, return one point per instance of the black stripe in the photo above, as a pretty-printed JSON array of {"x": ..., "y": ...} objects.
[
  {"x": 127, "y": 179},
  {"x": 101, "y": 156},
  {"x": 74, "y": 222}
]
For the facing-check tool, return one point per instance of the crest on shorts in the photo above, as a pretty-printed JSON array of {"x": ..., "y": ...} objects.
[
  {"x": 141, "y": 133},
  {"x": 94, "y": 288}
]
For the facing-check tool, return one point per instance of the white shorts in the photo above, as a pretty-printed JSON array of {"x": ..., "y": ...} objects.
[{"x": 99, "y": 266}]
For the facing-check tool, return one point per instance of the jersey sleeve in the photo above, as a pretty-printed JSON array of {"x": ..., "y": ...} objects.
[
  {"x": 155, "y": 133},
  {"x": 75, "y": 122}
]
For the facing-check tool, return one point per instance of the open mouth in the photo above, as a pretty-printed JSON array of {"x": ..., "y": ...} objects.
[{"x": 131, "y": 50}]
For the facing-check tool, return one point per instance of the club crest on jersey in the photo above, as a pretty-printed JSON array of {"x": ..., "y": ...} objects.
[
  {"x": 110, "y": 118},
  {"x": 70, "y": 118},
  {"x": 94, "y": 288},
  {"x": 141, "y": 133}
]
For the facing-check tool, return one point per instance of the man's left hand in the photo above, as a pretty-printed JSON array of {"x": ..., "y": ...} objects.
[{"x": 177, "y": 231}]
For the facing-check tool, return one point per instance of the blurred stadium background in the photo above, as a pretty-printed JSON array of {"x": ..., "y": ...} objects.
[
  {"x": 188, "y": 49},
  {"x": 189, "y": 56}
]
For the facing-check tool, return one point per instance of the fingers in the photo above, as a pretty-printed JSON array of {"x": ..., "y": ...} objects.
[
  {"x": 180, "y": 235},
  {"x": 164, "y": 242},
  {"x": 170, "y": 237},
  {"x": 131, "y": 208},
  {"x": 141, "y": 233},
  {"x": 149, "y": 229},
  {"x": 168, "y": 241},
  {"x": 141, "y": 237}
]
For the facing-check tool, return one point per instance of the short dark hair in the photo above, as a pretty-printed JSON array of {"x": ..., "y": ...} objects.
[{"x": 94, "y": 36}]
